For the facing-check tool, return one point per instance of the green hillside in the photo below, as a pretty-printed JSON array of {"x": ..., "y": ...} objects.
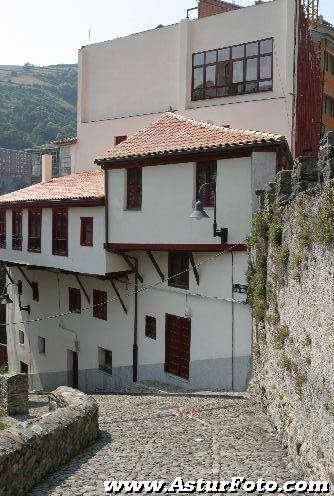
[{"x": 37, "y": 104}]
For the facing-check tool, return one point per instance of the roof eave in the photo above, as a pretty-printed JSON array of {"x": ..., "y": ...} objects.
[
  {"x": 68, "y": 202},
  {"x": 117, "y": 162}
]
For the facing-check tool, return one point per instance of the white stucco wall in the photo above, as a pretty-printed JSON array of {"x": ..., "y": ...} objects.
[{"x": 168, "y": 196}]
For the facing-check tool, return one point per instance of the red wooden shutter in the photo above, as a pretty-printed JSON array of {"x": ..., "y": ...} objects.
[{"x": 134, "y": 188}]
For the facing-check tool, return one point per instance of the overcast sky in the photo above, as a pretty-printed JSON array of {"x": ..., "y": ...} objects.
[{"x": 47, "y": 32}]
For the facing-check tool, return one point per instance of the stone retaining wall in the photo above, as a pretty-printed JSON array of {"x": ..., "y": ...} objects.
[
  {"x": 13, "y": 394},
  {"x": 29, "y": 453},
  {"x": 291, "y": 280}
]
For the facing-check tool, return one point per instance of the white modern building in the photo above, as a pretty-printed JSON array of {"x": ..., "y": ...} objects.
[{"x": 109, "y": 278}]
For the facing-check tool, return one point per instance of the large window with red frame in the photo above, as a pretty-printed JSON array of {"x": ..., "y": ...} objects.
[
  {"x": 17, "y": 229},
  {"x": 134, "y": 188},
  {"x": 34, "y": 230},
  {"x": 234, "y": 70},
  {"x": 206, "y": 173},
  {"x": 2, "y": 228},
  {"x": 100, "y": 307},
  {"x": 60, "y": 231}
]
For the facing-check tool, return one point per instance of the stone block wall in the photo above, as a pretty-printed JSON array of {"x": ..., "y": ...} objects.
[
  {"x": 291, "y": 281},
  {"x": 29, "y": 453},
  {"x": 13, "y": 394}
]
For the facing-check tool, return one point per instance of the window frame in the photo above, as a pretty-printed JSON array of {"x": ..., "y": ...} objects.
[
  {"x": 35, "y": 291},
  {"x": 41, "y": 349},
  {"x": 107, "y": 365},
  {"x": 208, "y": 193},
  {"x": 119, "y": 139},
  {"x": 21, "y": 337},
  {"x": 231, "y": 61},
  {"x": 185, "y": 283},
  {"x": 328, "y": 100},
  {"x": 329, "y": 67},
  {"x": 3, "y": 229},
  {"x": 17, "y": 235},
  {"x": 150, "y": 327},
  {"x": 33, "y": 214},
  {"x": 55, "y": 251},
  {"x": 100, "y": 305},
  {"x": 137, "y": 204},
  {"x": 74, "y": 297},
  {"x": 83, "y": 241}
]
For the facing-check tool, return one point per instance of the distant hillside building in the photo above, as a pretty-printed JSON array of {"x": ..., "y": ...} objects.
[
  {"x": 15, "y": 169},
  {"x": 62, "y": 152}
]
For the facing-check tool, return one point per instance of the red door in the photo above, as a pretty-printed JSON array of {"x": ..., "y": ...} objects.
[{"x": 177, "y": 347}]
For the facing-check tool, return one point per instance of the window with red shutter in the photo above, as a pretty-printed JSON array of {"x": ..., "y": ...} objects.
[
  {"x": 2, "y": 228},
  {"x": 134, "y": 188},
  {"x": 60, "y": 231},
  {"x": 34, "y": 230},
  {"x": 119, "y": 139},
  {"x": 206, "y": 172},
  {"x": 86, "y": 235},
  {"x": 17, "y": 230},
  {"x": 100, "y": 304},
  {"x": 74, "y": 300},
  {"x": 178, "y": 269}
]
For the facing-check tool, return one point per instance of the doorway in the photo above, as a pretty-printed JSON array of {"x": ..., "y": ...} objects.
[{"x": 177, "y": 346}]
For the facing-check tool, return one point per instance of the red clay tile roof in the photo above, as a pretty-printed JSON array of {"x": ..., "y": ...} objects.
[
  {"x": 75, "y": 187},
  {"x": 174, "y": 133}
]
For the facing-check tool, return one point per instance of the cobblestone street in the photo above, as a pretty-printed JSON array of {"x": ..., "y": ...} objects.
[{"x": 149, "y": 437}]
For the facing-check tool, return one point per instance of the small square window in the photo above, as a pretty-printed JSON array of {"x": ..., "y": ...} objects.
[
  {"x": 150, "y": 327},
  {"x": 35, "y": 291},
  {"x": 105, "y": 360},
  {"x": 21, "y": 338},
  {"x": 119, "y": 139},
  {"x": 41, "y": 345},
  {"x": 86, "y": 235}
]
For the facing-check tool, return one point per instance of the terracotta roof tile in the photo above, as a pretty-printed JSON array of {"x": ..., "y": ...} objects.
[
  {"x": 79, "y": 186},
  {"x": 174, "y": 133}
]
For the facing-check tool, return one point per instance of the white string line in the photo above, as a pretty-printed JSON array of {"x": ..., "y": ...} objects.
[{"x": 140, "y": 290}]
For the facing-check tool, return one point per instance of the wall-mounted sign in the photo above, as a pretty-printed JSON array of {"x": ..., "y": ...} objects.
[{"x": 240, "y": 288}]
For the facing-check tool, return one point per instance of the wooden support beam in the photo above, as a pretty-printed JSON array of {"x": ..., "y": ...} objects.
[
  {"x": 24, "y": 275},
  {"x": 7, "y": 272},
  {"x": 195, "y": 271},
  {"x": 82, "y": 287},
  {"x": 155, "y": 265},
  {"x": 119, "y": 296},
  {"x": 132, "y": 266}
]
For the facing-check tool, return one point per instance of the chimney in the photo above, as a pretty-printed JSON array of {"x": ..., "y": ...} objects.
[
  {"x": 46, "y": 168},
  {"x": 208, "y": 8}
]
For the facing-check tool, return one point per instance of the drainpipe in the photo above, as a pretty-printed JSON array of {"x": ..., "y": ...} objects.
[
  {"x": 135, "y": 326},
  {"x": 232, "y": 326}
]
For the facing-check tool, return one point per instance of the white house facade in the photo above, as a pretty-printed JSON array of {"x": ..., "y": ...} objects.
[{"x": 109, "y": 278}]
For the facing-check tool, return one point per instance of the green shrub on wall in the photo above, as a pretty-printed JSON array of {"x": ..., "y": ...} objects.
[{"x": 324, "y": 221}]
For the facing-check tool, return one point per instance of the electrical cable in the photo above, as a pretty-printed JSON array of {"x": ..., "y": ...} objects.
[{"x": 142, "y": 289}]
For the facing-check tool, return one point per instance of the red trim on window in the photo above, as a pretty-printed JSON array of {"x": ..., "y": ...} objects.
[
  {"x": 100, "y": 307},
  {"x": 178, "y": 263},
  {"x": 34, "y": 229},
  {"x": 134, "y": 188},
  {"x": 17, "y": 229},
  {"x": 206, "y": 172},
  {"x": 86, "y": 231},
  {"x": 60, "y": 231},
  {"x": 74, "y": 300}
]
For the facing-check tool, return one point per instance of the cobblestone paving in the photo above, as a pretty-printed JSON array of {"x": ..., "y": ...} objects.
[{"x": 160, "y": 437}]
